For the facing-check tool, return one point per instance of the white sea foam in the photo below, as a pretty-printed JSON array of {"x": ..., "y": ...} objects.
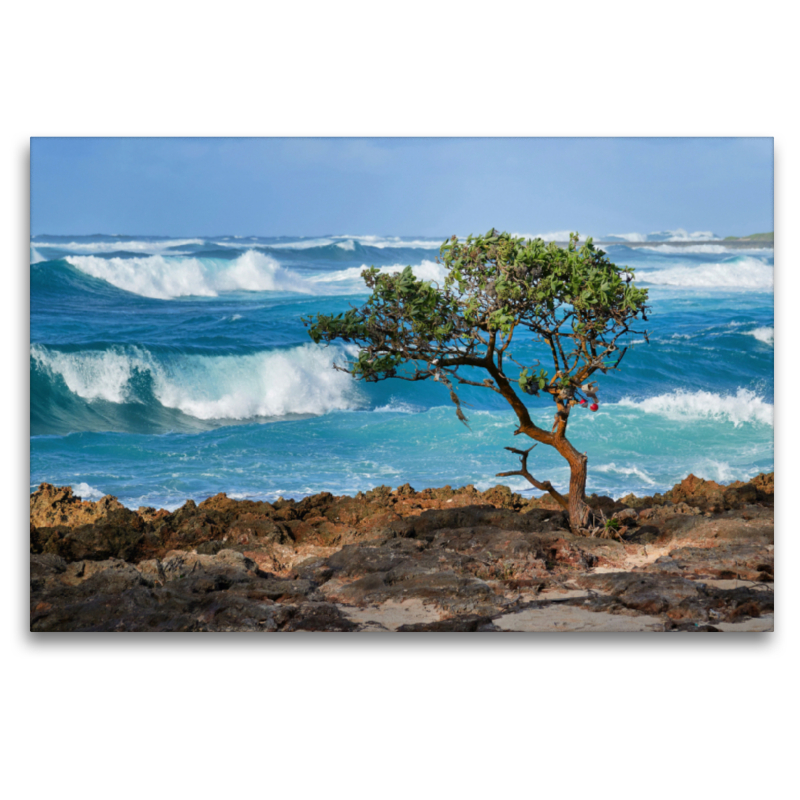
[
  {"x": 710, "y": 249},
  {"x": 627, "y": 471},
  {"x": 426, "y": 271},
  {"x": 132, "y": 246},
  {"x": 399, "y": 407},
  {"x": 766, "y": 335},
  {"x": 36, "y": 256},
  {"x": 383, "y": 242},
  {"x": 271, "y": 383},
  {"x": 552, "y": 236},
  {"x": 630, "y": 237},
  {"x": 164, "y": 278},
  {"x": 683, "y": 406},
  {"x": 348, "y": 244},
  {"x": 93, "y": 374},
  {"x": 303, "y": 244},
  {"x": 681, "y": 235},
  {"x": 86, "y": 492},
  {"x": 743, "y": 273}
]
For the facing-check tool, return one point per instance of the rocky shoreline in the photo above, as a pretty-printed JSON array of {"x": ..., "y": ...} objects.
[{"x": 697, "y": 558}]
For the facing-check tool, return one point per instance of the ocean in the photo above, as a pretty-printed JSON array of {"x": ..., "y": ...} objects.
[{"x": 163, "y": 369}]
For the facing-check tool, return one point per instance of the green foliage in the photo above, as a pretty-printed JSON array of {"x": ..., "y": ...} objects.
[{"x": 572, "y": 299}]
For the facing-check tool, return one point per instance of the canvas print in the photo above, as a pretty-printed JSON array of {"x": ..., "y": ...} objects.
[{"x": 402, "y": 385}]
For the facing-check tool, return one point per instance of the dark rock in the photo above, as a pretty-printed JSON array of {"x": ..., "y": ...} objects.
[
  {"x": 646, "y": 534},
  {"x": 466, "y": 624},
  {"x": 690, "y": 627},
  {"x": 318, "y": 617}
]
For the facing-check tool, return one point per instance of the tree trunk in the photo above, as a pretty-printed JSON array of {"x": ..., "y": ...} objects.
[{"x": 579, "y": 511}]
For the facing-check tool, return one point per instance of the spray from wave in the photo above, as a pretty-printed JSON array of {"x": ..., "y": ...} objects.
[
  {"x": 166, "y": 278},
  {"x": 131, "y": 246},
  {"x": 740, "y": 273},
  {"x": 163, "y": 278},
  {"x": 426, "y": 271},
  {"x": 766, "y": 335},
  {"x": 682, "y": 406},
  {"x": 273, "y": 383}
]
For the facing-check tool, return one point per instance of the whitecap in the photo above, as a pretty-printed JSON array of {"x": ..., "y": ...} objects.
[
  {"x": 273, "y": 383},
  {"x": 627, "y": 471},
  {"x": 131, "y": 246},
  {"x": 630, "y": 237},
  {"x": 399, "y": 407},
  {"x": 741, "y": 273},
  {"x": 426, "y": 271},
  {"x": 766, "y": 335},
  {"x": 86, "y": 492},
  {"x": 164, "y": 278},
  {"x": 684, "y": 406},
  {"x": 710, "y": 249}
]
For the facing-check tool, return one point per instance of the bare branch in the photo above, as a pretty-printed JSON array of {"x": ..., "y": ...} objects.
[{"x": 543, "y": 486}]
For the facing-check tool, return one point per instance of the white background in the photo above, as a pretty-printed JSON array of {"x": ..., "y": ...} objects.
[{"x": 430, "y": 716}]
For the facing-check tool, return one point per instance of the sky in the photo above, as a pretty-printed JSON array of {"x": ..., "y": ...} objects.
[{"x": 411, "y": 186}]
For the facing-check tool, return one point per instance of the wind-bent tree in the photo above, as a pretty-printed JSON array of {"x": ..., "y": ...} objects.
[{"x": 571, "y": 301}]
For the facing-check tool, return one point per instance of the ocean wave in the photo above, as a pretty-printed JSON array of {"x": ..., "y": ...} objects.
[
  {"x": 626, "y": 471},
  {"x": 273, "y": 383},
  {"x": 628, "y": 237},
  {"x": 683, "y": 406},
  {"x": 426, "y": 271},
  {"x": 400, "y": 407},
  {"x": 681, "y": 235},
  {"x": 678, "y": 235},
  {"x": 552, "y": 236},
  {"x": 133, "y": 245},
  {"x": 766, "y": 335},
  {"x": 86, "y": 492},
  {"x": 398, "y": 242},
  {"x": 709, "y": 249},
  {"x": 740, "y": 273},
  {"x": 164, "y": 278}
]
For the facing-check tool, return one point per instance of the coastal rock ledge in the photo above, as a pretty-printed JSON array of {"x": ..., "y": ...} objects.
[{"x": 697, "y": 558}]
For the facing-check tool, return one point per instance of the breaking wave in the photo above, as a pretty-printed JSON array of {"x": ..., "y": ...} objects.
[
  {"x": 272, "y": 383},
  {"x": 165, "y": 278},
  {"x": 426, "y": 271},
  {"x": 683, "y": 406},
  {"x": 740, "y": 273},
  {"x": 766, "y": 335},
  {"x": 131, "y": 246},
  {"x": 626, "y": 471}
]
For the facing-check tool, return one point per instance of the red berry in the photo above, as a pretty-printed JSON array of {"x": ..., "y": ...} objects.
[
  {"x": 594, "y": 406},
  {"x": 582, "y": 402}
]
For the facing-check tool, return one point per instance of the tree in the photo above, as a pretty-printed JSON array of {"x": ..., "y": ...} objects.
[{"x": 571, "y": 302}]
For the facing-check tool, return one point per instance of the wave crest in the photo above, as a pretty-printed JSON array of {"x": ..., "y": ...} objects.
[
  {"x": 166, "y": 278},
  {"x": 766, "y": 335},
  {"x": 683, "y": 406},
  {"x": 273, "y": 383},
  {"x": 741, "y": 273}
]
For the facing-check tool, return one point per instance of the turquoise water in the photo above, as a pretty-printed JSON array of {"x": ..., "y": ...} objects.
[{"x": 167, "y": 369}]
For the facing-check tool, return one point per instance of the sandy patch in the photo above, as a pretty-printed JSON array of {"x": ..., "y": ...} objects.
[
  {"x": 754, "y": 625},
  {"x": 570, "y": 618},
  {"x": 389, "y": 616},
  {"x": 732, "y": 583}
]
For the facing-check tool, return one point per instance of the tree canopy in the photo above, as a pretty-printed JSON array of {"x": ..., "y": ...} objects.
[{"x": 571, "y": 300}]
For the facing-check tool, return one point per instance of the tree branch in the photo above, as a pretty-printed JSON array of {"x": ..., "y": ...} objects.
[{"x": 542, "y": 486}]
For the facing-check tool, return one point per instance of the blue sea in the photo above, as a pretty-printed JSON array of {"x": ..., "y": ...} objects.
[{"x": 163, "y": 369}]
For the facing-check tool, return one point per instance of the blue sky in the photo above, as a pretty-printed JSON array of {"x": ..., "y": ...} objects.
[{"x": 425, "y": 186}]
